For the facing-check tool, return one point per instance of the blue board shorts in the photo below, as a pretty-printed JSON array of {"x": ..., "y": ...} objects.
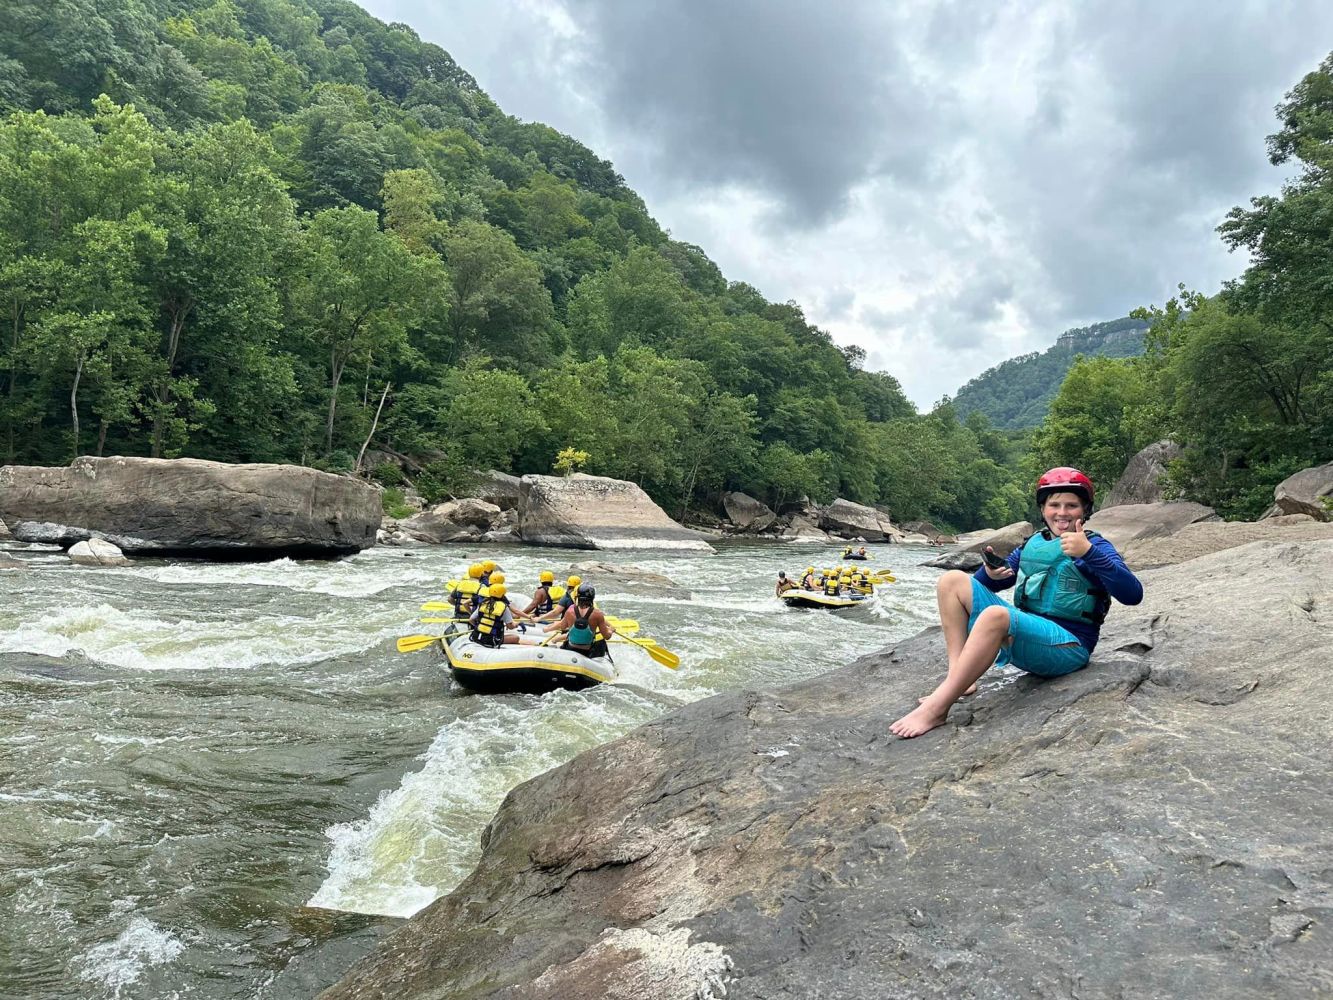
[{"x": 1037, "y": 645}]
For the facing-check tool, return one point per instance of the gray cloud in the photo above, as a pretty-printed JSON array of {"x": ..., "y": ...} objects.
[{"x": 947, "y": 183}]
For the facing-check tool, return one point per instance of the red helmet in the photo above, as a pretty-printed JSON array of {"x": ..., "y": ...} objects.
[{"x": 1065, "y": 480}]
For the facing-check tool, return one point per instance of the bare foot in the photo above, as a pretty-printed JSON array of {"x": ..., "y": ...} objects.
[
  {"x": 971, "y": 690},
  {"x": 921, "y": 720}
]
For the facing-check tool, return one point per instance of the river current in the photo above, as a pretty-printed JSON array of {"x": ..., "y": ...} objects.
[{"x": 220, "y": 780}]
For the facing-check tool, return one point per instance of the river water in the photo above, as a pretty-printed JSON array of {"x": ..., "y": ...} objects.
[{"x": 220, "y": 780}]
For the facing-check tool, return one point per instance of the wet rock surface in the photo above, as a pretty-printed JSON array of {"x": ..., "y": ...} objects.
[
  {"x": 191, "y": 507},
  {"x": 626, "y": 578},
  {"x": 1152, "y": 826}
]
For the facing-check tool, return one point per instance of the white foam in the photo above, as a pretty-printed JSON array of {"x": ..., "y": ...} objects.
[
  {"x": 116, "y": 964},
  {"x": 420, "y": 840}
]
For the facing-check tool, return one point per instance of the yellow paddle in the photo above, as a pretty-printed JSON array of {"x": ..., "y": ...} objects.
[
  {"x": 441, "y": 621},
  {"x": 416, "y": 643},
  {"x": 658, "y": 653}
]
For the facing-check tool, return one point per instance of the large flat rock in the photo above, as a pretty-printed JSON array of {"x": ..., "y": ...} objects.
[
  {"x": 1131, "y": 522},
  {"x": 1205, "y": 537},
  {"x": 1153, "y": 826},
  {"x": 189, "y": 506},
  {"x": 594, "y": 512}
]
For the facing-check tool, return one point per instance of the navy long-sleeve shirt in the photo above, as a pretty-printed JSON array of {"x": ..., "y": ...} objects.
[{"x": 1102, "y": 566}]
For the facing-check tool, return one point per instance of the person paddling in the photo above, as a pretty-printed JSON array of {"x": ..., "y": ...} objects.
[
  {"x": 542, "y": 603},
  {"x": 1065, "y": 579},
  {"x": 586, "y": 628},
  {"x": 492, "y": 618}
]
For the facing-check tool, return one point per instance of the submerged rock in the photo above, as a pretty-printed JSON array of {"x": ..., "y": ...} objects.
[
  {"x": 1161, "y": 815},
  {"x": 631, "y": 579},
  {"x": 191, "y": 507},
  {"x": 593, "y": 512}
]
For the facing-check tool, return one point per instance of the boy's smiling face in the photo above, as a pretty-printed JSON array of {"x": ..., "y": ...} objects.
[{"x": 1061, "y": 510}]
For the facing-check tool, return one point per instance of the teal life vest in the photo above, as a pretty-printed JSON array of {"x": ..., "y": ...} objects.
[
  {"x": 1050, "y": 585},
  {"x": 581, "y": 635}
]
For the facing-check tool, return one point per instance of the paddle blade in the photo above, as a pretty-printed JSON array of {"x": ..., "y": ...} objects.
[
  {"x": 437, "y": 606},
  {"x": 440, "y": 621},
  {"x": 416, "y": 643}
]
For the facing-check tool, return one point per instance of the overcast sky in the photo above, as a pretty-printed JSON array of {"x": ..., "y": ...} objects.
[{"x": 946, "y": 183}]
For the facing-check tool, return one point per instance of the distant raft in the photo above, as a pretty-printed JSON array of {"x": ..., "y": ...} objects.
[
  {"x": 818, "y": 599},
  {"x": 521, "y": 669}
]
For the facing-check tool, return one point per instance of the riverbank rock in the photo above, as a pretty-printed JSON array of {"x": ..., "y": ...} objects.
[
  {"x": 1304, "y": 493},
  {"x": 453, "y": 521},
  {"x": 1162, "y": 814},
  {"x": 594, "y": 512},
  {"x": 746, "y": 513},
  {"x": 1002, "y": 540},
  {"x": 1141, "y": 482},
  {"x": 96, "y": 552},
  {"x": 628, "y": 579},
  {"x": 1204, "y": 537},
  {"x": 187, "y": 506},
  {"x": 499, "y": 488},
  {"x": 848, "y": 520},
  {"x": 799, "y": 528},
  {"x": 5, "y": 536},
  {"x": 1133, "y": 521}
]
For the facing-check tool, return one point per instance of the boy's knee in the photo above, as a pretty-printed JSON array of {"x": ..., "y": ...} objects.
[
  {"x": 953, "y": 580},
  {"x": 994, "y": 617}
]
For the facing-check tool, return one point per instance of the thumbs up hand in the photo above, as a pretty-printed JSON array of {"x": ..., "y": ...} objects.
[{"x": 1074, "y": 543}]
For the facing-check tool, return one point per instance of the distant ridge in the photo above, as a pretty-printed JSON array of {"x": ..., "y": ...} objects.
[{"x": 1015, "y": 394}]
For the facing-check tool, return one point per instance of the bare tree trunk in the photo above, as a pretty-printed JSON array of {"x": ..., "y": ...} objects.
[
  {"x": 178, "y": 315},
  {"x": 373, "y": 424},
  {"x": 101, "y": 438},
  {"x": 336, "y": 371},
  {"x": 74, "y": 403}
]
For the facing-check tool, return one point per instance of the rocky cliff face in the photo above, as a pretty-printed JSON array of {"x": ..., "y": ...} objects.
[{"x": 1153, "y": 826}]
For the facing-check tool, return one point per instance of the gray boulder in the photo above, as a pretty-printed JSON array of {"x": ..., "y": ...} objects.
[
  {"x": 499, "y": 488},
  {"x": 5, "y": 536},
  {"x": 848, "y": 520},
  {"x": 453, "y": 521},
  {"x": 1002, "y": 540},
  {"x": 1162, "y": 815},
  {"x": 798, "y": 528},
  {"x": 747, "y": 513},
  {"x": 1141, "y": 482},
  {"x": 1304, "y": 493},
  {"x": 1133, "y": 521},
  {"x": 594, "y": 512},
  {"x": 191, "y": 507},
  {"x": 96, "y": 552}
]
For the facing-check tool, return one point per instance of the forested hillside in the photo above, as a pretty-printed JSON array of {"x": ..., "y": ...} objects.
[
  {"x": 1015, "y": 394},
  {"x": 279, "y": 230}
]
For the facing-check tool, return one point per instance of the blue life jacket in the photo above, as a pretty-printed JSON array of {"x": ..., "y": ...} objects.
[{"x": 1050, "y": 585}]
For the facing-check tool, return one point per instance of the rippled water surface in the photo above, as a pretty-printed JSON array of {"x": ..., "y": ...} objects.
[{"x": 221, "y": 780}]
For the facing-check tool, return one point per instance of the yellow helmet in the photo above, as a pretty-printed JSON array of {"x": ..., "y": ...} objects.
[
  {"x": 483, "y": 591},
  {"x": 828, "y": 572},
  {"x": 574, "y": 581},
  {"x": 497, "y": 590},
  {"x": 557, "y": 592},
  {"x": 475, "y": 571},
  {"x": 809, "y": 569},
  {"x": 547, "y": 576},
  {"x": 497, "y": 577},
  {"x": 488, "y": 565}
]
